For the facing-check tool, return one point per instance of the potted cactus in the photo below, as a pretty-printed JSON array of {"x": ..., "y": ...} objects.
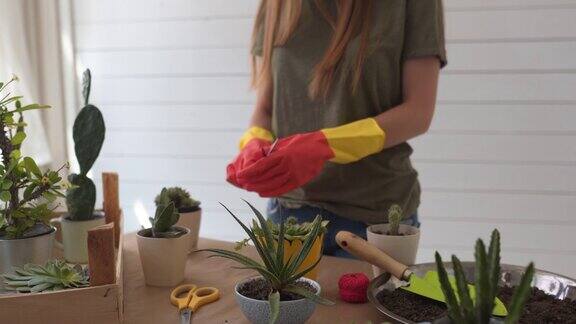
[
  {"x": 398, "y": 240},
  {"x": 294, "y": 233},
  {"x": 189, "y": 210},
  {"x": 164, "y": 247},
  {"x": 467, "y": 307},
  {"x": 88, "y": 134},
  {"x": 26, "y": 192},
  {"x": 280, "y": 294}
]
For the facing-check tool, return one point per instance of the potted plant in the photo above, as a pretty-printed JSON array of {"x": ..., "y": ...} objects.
[
  {"x": 280, "y": 294},
  {"x": 25, "y": 192},
  {"x": 189, "y": 210},
  {"x": 399, "y": 241},
  {"x": 164, "y": 247},
  {"x": 88, "y": 134},
  {"x": 465, "y": 307},
  {"x": 294, "y": 234}
]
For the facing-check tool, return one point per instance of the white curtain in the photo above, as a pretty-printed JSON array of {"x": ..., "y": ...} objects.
[{"x": 30, "y": 49}]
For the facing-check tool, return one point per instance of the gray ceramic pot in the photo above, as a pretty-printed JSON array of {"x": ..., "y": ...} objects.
[
  {"x": 18, "y": 252},
  {"x": 291, "y": 312},
  {"x": 446, "y": 320}
]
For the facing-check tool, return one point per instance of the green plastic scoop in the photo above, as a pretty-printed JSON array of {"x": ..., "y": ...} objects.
[{"x": 429, "y": 286}]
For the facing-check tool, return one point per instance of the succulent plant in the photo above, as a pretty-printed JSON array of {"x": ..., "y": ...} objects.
[
  {"x": 165, "y": 218},
  {"x": 280, "y": 275},
  {"x": 395, "y": 215},
  {"x": 54, "y": 275},
  {"x": 292, "y": 230},
  {"x": 22, "y": 183},
  {"x": 88, "y": 134},
  {"x": 181, "y": 199},
  {"x": 462, "y": 308}
]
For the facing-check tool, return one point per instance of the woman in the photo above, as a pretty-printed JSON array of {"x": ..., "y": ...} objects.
[{"x": 342, "y": 85}]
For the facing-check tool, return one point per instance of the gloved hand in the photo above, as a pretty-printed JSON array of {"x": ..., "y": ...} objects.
[
  {"x": 297, "y": 159},
  {"x": 254, "y": 144}
]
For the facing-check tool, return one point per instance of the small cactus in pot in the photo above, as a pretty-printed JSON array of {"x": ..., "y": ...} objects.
[
  {"x": 188, "y": 208},
  {"x": 88, "y": 133},
  {"x": 181, "y": 198}
]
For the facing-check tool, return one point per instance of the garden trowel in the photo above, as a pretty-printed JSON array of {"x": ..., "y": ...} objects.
[{"x": 428, "y": 287}]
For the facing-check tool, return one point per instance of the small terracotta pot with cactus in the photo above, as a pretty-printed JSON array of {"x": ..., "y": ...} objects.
[
  {"x": 189, "y": 210},
  {"x": 398, "y": 240}
]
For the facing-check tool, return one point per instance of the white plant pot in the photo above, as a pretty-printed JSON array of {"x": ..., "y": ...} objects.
[
  {"x": 163, "y": 259},
  {"x": 191, "y": 221},
  {"x": 401, "y": 248},
  {"x": 75, "y": 236},
  {"x": 291, "y": 312}
]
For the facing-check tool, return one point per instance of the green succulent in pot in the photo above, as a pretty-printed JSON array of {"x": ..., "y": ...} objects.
[
  {"x": 165, "y": 217},
  {"x": 467, "y": 308},
  {"x": 181, "y": 198},
  {"x": 281, "y": 277},
  {"x": 52, "y": 276},
  {"x": 88, "y": 134}
]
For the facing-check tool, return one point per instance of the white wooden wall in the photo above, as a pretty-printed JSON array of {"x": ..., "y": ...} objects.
[{"x": 171, "y": 77}]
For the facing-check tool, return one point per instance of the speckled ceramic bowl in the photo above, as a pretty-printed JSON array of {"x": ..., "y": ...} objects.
[{"x": 291, "y": 312}]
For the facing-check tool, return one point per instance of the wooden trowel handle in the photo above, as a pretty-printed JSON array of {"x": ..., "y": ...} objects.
[{"x": 365, "y": 251}]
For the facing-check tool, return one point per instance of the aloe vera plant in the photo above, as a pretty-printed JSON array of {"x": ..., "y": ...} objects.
[
  {"x": 165, "y": 218},
  {"x": 281, "y": 276},
  {"x": 181, "y": 199},
  {"x": 54, "y": 275},
  {"x": 461, "y": 307},
  {"x": 25, "y": 190},
  {"x": 88, "y": 134},
  {"x": 395, "y": 215}
]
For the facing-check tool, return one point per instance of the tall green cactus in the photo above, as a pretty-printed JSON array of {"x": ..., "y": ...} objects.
[{"x": 88, "y": 134}]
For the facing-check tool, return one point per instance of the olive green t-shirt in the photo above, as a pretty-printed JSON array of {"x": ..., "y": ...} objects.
[{"x": 363, "y": 190}]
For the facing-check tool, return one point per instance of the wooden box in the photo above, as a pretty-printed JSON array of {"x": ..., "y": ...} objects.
[{"x": 91, "y": 305}]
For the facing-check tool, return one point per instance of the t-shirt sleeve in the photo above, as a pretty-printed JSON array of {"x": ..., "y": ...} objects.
[
  {"x": 424, "y": 30},
  {"x": 258, "y": 45}
]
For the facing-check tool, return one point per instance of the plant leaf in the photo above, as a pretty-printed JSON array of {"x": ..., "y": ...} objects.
[
  {"x": 308, "y": 294},
  {"x": 451, "y": 301},
  {"x": 274, "y": 303},
  {"x": 520, "y": 295},
  {"x": 483, "y": 305},
  {"x": 466, "y": 303},
  {"x": 31, "y": 166},
  {"x": 494, "y": 264}
]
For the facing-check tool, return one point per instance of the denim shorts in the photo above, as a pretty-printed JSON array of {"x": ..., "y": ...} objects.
[{"x": 276, "y": 212}]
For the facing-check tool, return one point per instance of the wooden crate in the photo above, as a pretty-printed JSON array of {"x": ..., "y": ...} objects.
[{"x": 91, "y": 305}]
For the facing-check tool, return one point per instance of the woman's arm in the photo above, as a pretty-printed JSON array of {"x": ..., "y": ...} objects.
[
  {"x": 262, "y": 114},
  {"x": 414, "y": 115}
]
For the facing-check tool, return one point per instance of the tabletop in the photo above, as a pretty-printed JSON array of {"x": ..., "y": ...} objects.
[{"x": 144, "y": 304}]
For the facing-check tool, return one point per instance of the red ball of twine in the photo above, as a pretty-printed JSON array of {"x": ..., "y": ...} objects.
[{"x": 353, "y": 287}]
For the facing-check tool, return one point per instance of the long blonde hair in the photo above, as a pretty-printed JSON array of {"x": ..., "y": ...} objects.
[{"x": 279, "y": 18}]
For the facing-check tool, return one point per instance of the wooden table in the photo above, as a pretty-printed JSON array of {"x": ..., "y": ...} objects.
[{"x": 143, "y": 304}]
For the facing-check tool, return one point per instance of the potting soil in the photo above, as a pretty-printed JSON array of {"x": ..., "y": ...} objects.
[{"x": 260, "y": 289}]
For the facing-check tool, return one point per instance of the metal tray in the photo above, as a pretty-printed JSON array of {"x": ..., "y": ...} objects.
[{"x": 559, "y": 286}]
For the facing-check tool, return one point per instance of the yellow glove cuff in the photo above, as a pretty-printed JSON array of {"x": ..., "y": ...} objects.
[
  {"x": 255, "y": 132},
  {"x": 354, "y": 141}
]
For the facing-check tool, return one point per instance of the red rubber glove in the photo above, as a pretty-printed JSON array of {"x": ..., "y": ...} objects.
[
  {"x": 297, "y": 159},
  {"x": 254, "y": 144}
]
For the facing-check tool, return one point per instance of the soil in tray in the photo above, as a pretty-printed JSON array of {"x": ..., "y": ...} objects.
[
  {"x": 540, "y": 308},
  {"x": 260, "y": 289}
]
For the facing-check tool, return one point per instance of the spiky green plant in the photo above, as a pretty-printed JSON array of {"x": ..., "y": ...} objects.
[
  {"x": 292, "y": 230},
  {"x": 54, "y": 275},
  {"x": 280, "y": 276},
  {"x": 395, "y": 215},
  {"x": 88, "y": 134},
  {"x": 461, "y": 307},
  {"x": 25, "y": 191},
  {"x": 165, "y": 218},
  {"x": 181, "y": 199}
]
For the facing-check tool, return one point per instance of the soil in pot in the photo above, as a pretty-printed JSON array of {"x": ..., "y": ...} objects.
[
  {"x": 259, "y": 289},
  {"x": 540, "y": 308},
  {"x": 36, "y": 230}
]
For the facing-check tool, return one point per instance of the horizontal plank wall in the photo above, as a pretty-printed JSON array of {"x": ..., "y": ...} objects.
[{"x": 171, "y": 77}]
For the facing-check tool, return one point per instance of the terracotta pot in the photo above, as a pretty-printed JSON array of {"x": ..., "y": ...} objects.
[
  {"x": 191, "y": 221},
  {"x": 163, "y": 259},
  {"x": 291, "y": 312},
  {"x": 75, "y": 236},
  {"x": 402, "y": 248}
]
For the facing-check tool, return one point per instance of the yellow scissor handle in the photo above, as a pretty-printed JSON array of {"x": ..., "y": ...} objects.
[
  {"x": 182, "y": 302},
  {"x": 203, "y": 296}
]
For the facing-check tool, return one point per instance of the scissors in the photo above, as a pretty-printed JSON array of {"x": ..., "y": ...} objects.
[{"x": 188, "y": 298}]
